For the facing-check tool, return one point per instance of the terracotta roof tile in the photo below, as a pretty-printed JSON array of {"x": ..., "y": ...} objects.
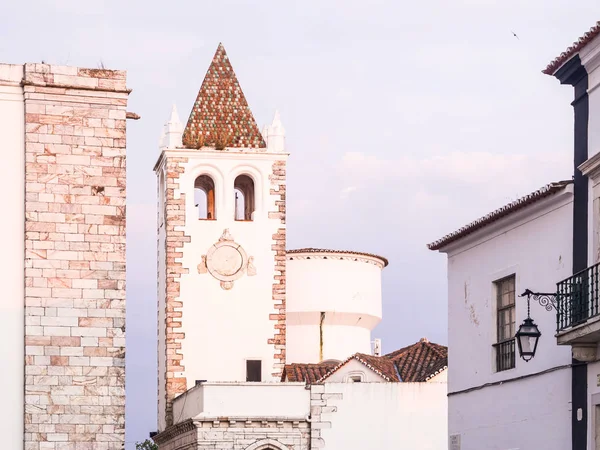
[
  {"x": 419, "y": 361},
  {"x": 415, "y": 363},
  {"x": 309, "y": 373},
  {"x": 518, "y": 204},
  {"x": 221, "y": 116},
  {"x": 572, "y": 50}
]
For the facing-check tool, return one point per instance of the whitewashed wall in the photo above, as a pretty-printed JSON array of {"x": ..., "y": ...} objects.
[
  {"x": 283, "y": 400},
  {"x": 403, "y": 416},
  {"x": 349, "y": 292},
  {"x": 353, "y": 368},
  {"x": 534, "y": 413},
  {"x": 161, "y": 281},
  {"x": 535, "y": 244},
  {"x": 12, "y": 306},
  {"x": 223, "y": 328},
  {"x": 590, "y": 58}
]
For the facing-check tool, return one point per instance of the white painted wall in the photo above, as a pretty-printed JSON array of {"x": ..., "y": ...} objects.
[
  {"x": 290, "y": 400},
  {"x": 403, "y": 416},
  {"x": 534, "y": 413},
  {"x": 339, "y": 341},
  {"x": 535, "y": 244},
  {"x": 352, "y": 368},
  {"x": 590, "y": 58},
  {"x": 12, "y": 306},
  {"x": 411, "y": 416},
  {"x": 161, "y": 296},
  {"x": 349, "y": 292},
  {"x": 223, "y": 328}
]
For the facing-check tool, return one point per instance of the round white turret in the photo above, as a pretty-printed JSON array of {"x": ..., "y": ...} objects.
[{"x": 333, "y": 303}]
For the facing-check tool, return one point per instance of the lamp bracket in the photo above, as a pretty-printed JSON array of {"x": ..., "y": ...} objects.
[{"x": 546, "y": 299}]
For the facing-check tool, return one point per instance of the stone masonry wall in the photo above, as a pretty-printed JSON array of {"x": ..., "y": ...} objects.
[
  {"x": 175, "y": 239},
  {"x": 278, "y": 187},
  {"x": 237, "y": 434},
  {"x": 322, "y": 405},
  {"x": 75, "y": 258}
]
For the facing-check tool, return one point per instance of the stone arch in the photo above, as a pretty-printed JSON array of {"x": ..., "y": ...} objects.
[
  {"x": 267, "y": 444},
  {"x": 245, "y": 198},
  {"x": 198, "y": 177},
  {"x": 257, "y": 179}
]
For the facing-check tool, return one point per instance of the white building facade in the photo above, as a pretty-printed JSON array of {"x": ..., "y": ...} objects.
[
  {"x": 552, "y": 401},
  {"x": 495, "y": 399},
  {"x": 235, "y": 307}
]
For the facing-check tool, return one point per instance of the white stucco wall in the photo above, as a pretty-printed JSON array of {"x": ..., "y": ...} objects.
[
  {"x": 352, "y": 368},
  {"x": 411, "y": 416},
  {"x": 12, "y": 306},
  {"x": 590, "y": 59},
  {"x": 161, "y": 294},
  {"x": 533, "y": 413},
  {"x": 290, "y": 400},
  {"x": 347, "y": 291},
  {"x": 224, "y": 328},
  {"x": 535, "y": 244}
]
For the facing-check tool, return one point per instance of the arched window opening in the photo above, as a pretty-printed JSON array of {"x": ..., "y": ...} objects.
[
  {"x": 204, "y": 197},
  {"x": 244, "y": 198}
]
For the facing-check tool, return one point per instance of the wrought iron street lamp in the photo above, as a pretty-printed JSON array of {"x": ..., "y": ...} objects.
[
  {"x": 529, "y": 334},
  {"x": 527, "y": 339}
]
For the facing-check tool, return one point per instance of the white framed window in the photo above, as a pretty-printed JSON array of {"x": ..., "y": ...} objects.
[{"x": 505, "y": 323}]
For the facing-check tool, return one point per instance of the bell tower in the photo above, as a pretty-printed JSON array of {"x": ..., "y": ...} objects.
[{"x": 221, "y": 243}]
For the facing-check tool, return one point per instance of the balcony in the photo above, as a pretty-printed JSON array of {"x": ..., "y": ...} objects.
[{"x": 578, "y": 313}]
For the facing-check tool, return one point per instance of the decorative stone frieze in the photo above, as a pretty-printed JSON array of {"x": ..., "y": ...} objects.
[{"x": 237, "y": 433}]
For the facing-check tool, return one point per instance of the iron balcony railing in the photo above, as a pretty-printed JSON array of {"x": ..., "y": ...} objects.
[
  {"x": 577, "y": 298},
  {"x": 505, "y": 355}
]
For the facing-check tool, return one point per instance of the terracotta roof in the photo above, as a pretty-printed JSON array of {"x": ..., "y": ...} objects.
[
  {"x": 342, "y": 252},
  {"x": 415, "y": 363},
  {"x": 378, "y": 364},
  {"x": 309, "y": 373},
  {"x": 572, "y": 50},
  {"x": 221, "y": 116},
  {"x": 418, "y": 361},
  {"x": 521, "y": 203},
  {"x": 437, "y": 368}
]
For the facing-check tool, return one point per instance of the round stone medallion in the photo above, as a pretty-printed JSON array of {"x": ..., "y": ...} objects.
[{"x": 226, "y": 261}]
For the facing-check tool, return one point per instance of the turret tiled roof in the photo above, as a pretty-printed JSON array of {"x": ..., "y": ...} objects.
[{"x": 221, "y": 116}]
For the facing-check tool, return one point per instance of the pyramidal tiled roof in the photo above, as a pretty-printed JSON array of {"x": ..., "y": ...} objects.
[{"x": 221, "y": 116}]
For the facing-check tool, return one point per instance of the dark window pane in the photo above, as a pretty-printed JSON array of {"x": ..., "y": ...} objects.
[{"x": 253, "y": 370}]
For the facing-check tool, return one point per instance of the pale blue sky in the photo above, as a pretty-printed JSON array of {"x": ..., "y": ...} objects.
[{"x": 405, "y": 120}]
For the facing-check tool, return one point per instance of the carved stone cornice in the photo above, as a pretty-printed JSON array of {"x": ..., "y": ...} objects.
[{"x": 173, "y": 431}]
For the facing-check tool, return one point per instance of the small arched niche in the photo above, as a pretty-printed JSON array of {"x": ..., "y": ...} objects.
[
  {"x": 204, "y": 197},
  {"x": 244, "y": 198}
]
